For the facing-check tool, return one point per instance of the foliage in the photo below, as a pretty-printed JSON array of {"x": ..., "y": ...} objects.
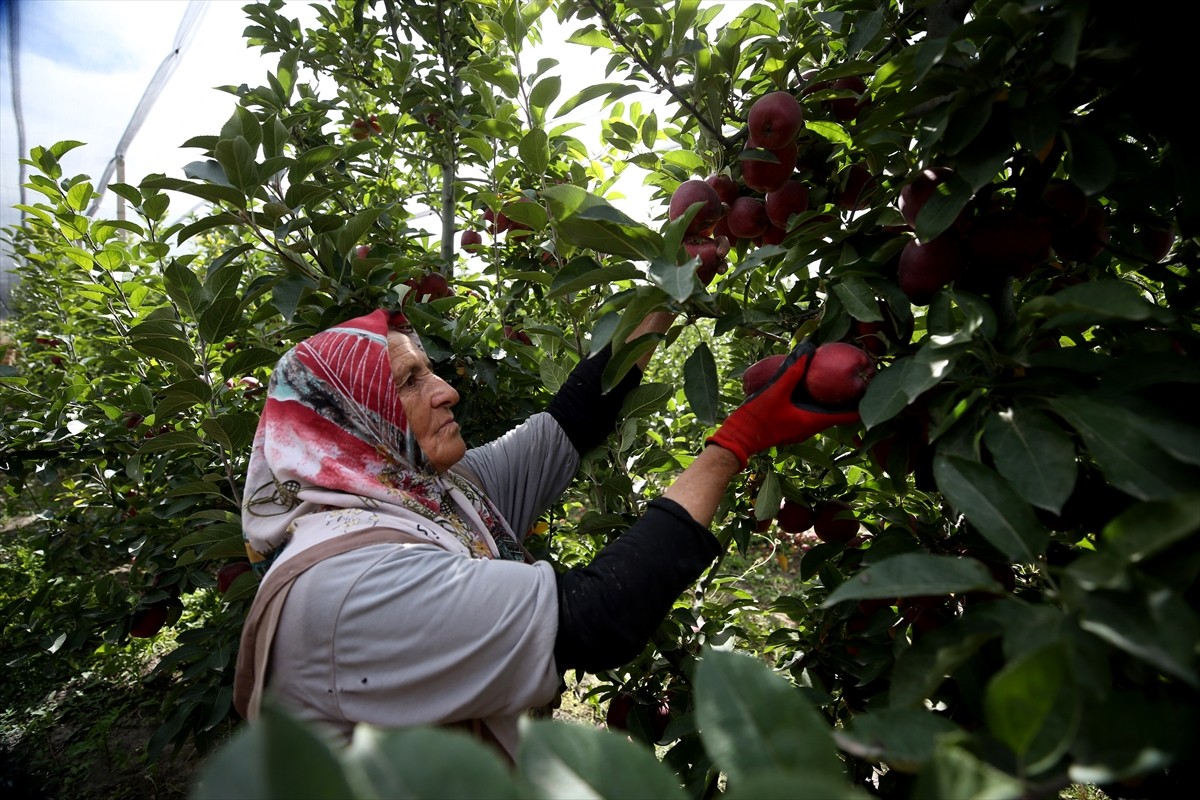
[{"x": 1019, "y": 610}]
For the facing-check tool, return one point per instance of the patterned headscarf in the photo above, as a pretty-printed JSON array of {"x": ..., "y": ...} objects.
[{"x": 333, "y": 455}]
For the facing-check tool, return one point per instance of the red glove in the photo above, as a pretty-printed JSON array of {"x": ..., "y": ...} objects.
[{"x": 780, "y": 413}]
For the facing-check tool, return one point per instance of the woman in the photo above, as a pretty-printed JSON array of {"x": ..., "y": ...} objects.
[{"x": 403, "y": 596}]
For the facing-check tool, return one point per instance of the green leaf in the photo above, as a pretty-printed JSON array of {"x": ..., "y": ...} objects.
[
  {"x": 181, "y": 395},
  {"x": 794, "y": 786},
  {"x": 954, "y": 773},
  {"x": 829, "y": 131},
  {"x": 222, "y": 317},
  {"x": 1033, "y": 454},
  {"x": 352, "y": 232},
  {"x": 244, "y": 362},
  {"x": 234, "y": 430},
  {"x": 1092, "y": 303},
  {"x": 277, "y": 758},
  {"x": 79, "y": 195},
  {"x": 915, "y": 574},
  {"x": 236, "y": 157},
  {"x": 903, "y": 738},
  {"x": 677, "y": 280},
  {"x": 208, "y": 171},
  {"x": 545, "y": 92},
  {"x": 1090, "y": 162},
  {"x": 754, "y": 722},
  {"x": 558, "y": 759},
  {"x": 858, "y": 299},
  {"x": 243, "y": 123},
  {"x": 1033, "y": 706},
  {"x": 1147, "y": 529},
  {"x": 612, "y": 91},
  {"x": 169, "y": 350},
  {"x": 175, "y": 440},
  {"x": 943, "y": 207},
  {"x": 185, "y": 290},
  {"x": 646, "y": 399},
  {"x": 534, "y": 150},
  {"x": 587, "y": 220},
  {"x": 310, "y": 161},
  {"x": 1156, "y": 626},
  {"x": 992, "y": 506},
  {"x": 206, "y": 223},
  {"x": 700, "y": 384},
  {"x": 428, "y": 763},
  {"x": 1130, "y": 460},
  {"x": 585, "y": 272}
]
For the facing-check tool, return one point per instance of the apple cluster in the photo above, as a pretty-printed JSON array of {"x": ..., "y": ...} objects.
[
  {"x": 757, "y": 202},
  {"x": 361, "y": 128}
]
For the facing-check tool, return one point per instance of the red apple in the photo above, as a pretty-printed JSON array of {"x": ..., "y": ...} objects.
[
  {"x": 845, "y": 109},
  {"x": 772, "y": 235},
  {"x": 768, "y": 176},
  {"x": 1007, "y": 242},
  {"x": 688, "y": 194},
  {"x": 758, "y": 374},
  {"x": 775, "y": 119},
  {"x": 148, "y": 621},
  {"x": 362, "y": 251},
  {"x": 725, "y": 187},
  {"x": 1063, "y": 202},
  {"x": 915, "y": 193},
  {"x": 838, "y": 374},
  {"x": 879, "y": 336},
  {"x": 360, "y": 129},
  {"x": 925, "y": 268},
  {"x": 432, "y": 284},
  {"x": 471, "y": 241},
  {"x": 748, "y": 218},
  {"x": 857, "y": 187},
  {"x": 833, "y": 521},
  {"x": 227, "y": 574},
  {"x": 515, "y": 335},
  {"x": 789, "y": 199},
  {"x": 1157, "y": 239},
  {"x": 711, "y": 251},
  {"x": 617, "y": 715},
  {"x": 374, "y": 123},
  {"x": 795, "y": 517}
]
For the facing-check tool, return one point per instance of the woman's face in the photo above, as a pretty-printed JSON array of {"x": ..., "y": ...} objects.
[{"x": 427, "y": 400}]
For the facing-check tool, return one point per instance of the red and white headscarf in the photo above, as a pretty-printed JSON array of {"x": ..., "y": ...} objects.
[{"x": 333, "y": 455}]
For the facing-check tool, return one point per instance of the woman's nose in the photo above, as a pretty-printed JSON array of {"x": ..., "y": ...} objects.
[{"x": 442, "y": 393}]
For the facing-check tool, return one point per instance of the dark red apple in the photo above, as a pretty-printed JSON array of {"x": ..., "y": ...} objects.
[
  {"x": 915, "y": 193},
  {"x": 711, "y": 251},
  {"x": 789, "y": 199},
  {"x": 432, "y": 285},
  {"x": 834, "y": 521},
  {"x": 795, "y": 517},
  {"x": 515, "y": 335},
  {"x": 857, "y": 186},
  {"x": 362, "y": 251},
  {"x": 845, "y": 109},
  {"x": 688, "y": 194},
  {"x": 725, "y": 187},
  {"x": 471, "y": 240},
  {"x": 768, "y": 176},
  {"x": 617, "y": 715},
  {"x": 149, "y": 620},
  {"x": 1007, "y": 242},
  {"x": 758, "y": 374},
  {"x": 772, "y": 235},
  {"x": 360, "y": 129},
  {"x": 838, "y": 374},
  {"x": 227, "y": 574},
  {"x": 748, "y": 218},
  {"x": 775, "y": 119},
  {"x": 925, "y": 268}
]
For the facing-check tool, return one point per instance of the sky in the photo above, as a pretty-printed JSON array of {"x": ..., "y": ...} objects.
[{"x": 84, "y": 66}]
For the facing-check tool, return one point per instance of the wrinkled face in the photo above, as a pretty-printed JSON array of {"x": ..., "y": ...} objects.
[{"x": 427, "y": 400}]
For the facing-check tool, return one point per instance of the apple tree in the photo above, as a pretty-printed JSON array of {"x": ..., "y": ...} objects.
[{"x": 997, "y": 587}]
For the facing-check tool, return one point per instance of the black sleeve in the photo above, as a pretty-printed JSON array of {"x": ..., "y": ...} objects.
[
  {"x": 586, "y": 414},
  {"x": 608, "y": 609}
]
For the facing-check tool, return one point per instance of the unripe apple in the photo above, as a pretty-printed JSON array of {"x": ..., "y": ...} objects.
[
  {"x": 789, "y": 199},
  {"x": 775, "y": 119},
  {"x": 768, "y": 176},
  {"x": 689, "y": 193},
  {"x": 794, "y": 517},
  {"x": 748, "y": 218},
  {"x": 915, "y": 193},
  {"x": 833, "y": 521},
  {"x": 925, "y": 268},
  {"x": 838, "y": 374},
  {"x": 758, "y": 374}
]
